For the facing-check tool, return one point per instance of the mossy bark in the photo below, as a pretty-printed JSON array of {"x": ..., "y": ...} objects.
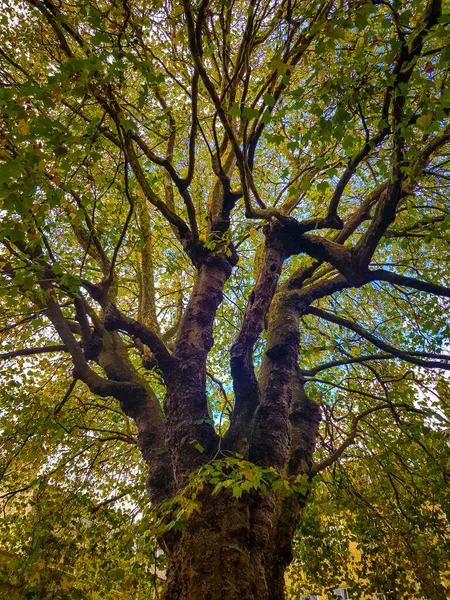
[{"x": 227, "y": 552}]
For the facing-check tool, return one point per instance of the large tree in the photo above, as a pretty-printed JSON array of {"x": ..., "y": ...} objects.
[{"x": 229, "y": 219}]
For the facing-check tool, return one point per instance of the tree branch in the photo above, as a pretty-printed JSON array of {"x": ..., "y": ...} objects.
[
  {"x": 114, "y": 320},
  {"x": 348, "y": 361},
  {"x": 33, "y": 351},
  {"x": 408, "y": 357},
  {"x": 411, "y": 282},
  {"x": 245, "y": 385},
  {"x": 351, "y": 169},
  {"x": 353, "y": 433},
  {"x": 171, "y": 217}
]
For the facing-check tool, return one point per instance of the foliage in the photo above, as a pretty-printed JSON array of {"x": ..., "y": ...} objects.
[
  {"x": 182, "y": 184},
  {"x": 65, "y": 546},
  {"x": 381, "y": 521},
  {"x": 234, "y": 474}
]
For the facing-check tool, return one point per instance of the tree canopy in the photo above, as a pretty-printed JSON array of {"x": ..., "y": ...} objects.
[{"x": 224, "y": 280}]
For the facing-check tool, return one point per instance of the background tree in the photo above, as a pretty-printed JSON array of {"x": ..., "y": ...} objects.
[
  {"x": 224, "y": 236},
  {"x": 378, "y": 521}
]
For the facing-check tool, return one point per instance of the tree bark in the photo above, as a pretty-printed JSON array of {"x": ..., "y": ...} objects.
[{"x": 227, "y": 551}]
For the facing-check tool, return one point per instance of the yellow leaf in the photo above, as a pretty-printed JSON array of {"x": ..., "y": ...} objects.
[
  {"x": 425, "y": 120},
  {"x": 23, "y": 127},
  {"x": 38, "y": 566},
  {"x": 65, "y": 584},
  {"x": 55, "y": 94}
]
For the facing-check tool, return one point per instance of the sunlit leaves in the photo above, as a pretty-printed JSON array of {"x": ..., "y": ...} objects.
[{"x": 66, "y": 196}]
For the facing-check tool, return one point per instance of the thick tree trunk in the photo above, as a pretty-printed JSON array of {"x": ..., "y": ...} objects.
[{"x": 226, "y": 552}]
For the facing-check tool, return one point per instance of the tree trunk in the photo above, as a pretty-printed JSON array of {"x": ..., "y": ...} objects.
[{"x": 226, "y": 552}]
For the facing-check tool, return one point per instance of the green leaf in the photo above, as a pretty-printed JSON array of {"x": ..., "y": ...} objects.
[
  {"x": 100, "y": 37},
  {"x": 237, "y": 492},
  {"x": 116, "y": 574},
  {"x": 275, "y": 138},
  {"x": 235, "y": 110},
  {"x": 266, "y": 117},
  {"x": 425, "y": 120},
  {"x": 323, "y": 186},
  {"x": 445, "y": 55},
  {"x": 250, "y": 113},
  {"x": 269, "y": 100},
  {"x": 128, "y": 125},
  {"x": 277, "y": 485}
]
